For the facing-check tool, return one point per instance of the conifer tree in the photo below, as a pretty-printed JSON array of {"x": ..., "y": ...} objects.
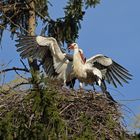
[{"x": 46, "y": 112}]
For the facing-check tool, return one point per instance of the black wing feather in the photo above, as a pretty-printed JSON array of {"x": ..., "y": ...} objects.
[{"x": 115, "y": 73}]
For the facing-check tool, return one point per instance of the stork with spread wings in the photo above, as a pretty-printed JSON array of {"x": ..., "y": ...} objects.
[
  {"x": 56, "y": 63},
  {"x": 98, "y": 69}
]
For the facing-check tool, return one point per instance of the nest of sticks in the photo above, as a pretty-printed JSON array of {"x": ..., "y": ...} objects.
[{"x": 82, "y": 111}]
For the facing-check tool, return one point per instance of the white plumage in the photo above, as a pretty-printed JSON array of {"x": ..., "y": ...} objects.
[
  {"x": 98, "y": 69},
  {"x": 55, "y": 63}
]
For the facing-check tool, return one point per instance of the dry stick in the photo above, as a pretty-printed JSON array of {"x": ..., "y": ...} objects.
[
  {"x": 23, "y": 64},
  {"x": 6, "y": 65},
  {"x": 18, "y": 85},
  {"x": 130, "y": 100},
  {"x": 66, "y": 108},
  {"x": 14, "y": 68},
  {"x": 30, "y": 120},
  {"x": 20, "y": 75}
]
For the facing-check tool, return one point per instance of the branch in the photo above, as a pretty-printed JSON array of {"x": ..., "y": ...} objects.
[
  {"x": 20, "y": 75},
  {"x": 20, "y": 84},
  {"x": 4, "y": 28},
  {"x": 130, "y": 100},
  {"x": 23, "y": 64},
  {"x": 38, "y": 13},
  {"x": 12, "y": 7},
  {"x": 19, "y": 26},
  {"x": 15, "y": 69}
]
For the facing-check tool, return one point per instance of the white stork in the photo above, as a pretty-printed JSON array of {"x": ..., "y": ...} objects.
[
  {"x": 98, "y": 69},
  {"x": 56, "y": 63}
]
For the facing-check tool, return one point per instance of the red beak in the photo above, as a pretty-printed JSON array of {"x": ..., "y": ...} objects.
[{"x": 71, "y": 47}]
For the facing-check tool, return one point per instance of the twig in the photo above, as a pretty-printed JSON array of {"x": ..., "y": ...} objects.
[
  {"x": 13, "y": 87},
  {"x": 23, "y": 64},
  {"x": 14, "y": 68},
  {"x": 130, "y": 100},
  {"x": 66, "y": 108},
  {"x": 30, "y": 120},
  {"x": 19, "y": 26},
  {"x": 4, "y": 28},
  {"x": 6, "y": 65},
  {"x": 129, "y": 110},
  {"x": 20, "y": 75}
]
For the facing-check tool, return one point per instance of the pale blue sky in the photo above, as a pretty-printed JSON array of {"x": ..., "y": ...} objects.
[{"x": 113, "y": 29}]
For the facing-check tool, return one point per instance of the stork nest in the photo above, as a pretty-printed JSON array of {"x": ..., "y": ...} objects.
[{"x": 86, "y": 114}]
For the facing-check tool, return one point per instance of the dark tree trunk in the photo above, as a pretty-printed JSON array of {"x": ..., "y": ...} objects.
[{"x": 34, "y": 68}]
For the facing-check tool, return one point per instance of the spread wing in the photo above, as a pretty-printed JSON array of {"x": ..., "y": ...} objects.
[
  {"x": 54, "y": 61},
  {"x": 112, "y": 72}
]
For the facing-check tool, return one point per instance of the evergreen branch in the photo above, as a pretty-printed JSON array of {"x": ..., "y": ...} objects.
[
  {"x": 19, "y": 26},
  {"x": 12, "y": 7},
  {"x": 4, "y": 28}
]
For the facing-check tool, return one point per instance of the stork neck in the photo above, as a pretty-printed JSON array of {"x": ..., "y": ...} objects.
[
  {"x": 76, "y": 51},
  {"x": 77, "y": 58}
]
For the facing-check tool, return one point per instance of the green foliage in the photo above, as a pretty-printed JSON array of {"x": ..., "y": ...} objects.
[
  {"x": 66, "y": 29},
  {"x": 15, "y": 14},
  {"x": 42, "y": 8},
  {"x": 87, "y": 132},
  {"x": 37, "y": 118},
  {"x": 91, "y": 3}
]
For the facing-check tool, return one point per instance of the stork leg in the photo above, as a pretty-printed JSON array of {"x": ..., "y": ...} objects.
[
  {"x": 93, "y": 88},
  {"x": 81, "y": 85},
  {"x": 103, "y": 86},
  {"x": 64, "y": 87}
]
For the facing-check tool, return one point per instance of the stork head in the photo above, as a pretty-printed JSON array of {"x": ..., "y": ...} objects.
[{"x": 73, "y": 46}]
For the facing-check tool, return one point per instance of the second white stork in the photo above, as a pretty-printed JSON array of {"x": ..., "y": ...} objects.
[{"x": 98, "y": 69}]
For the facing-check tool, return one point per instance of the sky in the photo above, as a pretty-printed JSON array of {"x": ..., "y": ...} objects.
[{"x": 113, "y": 29}]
